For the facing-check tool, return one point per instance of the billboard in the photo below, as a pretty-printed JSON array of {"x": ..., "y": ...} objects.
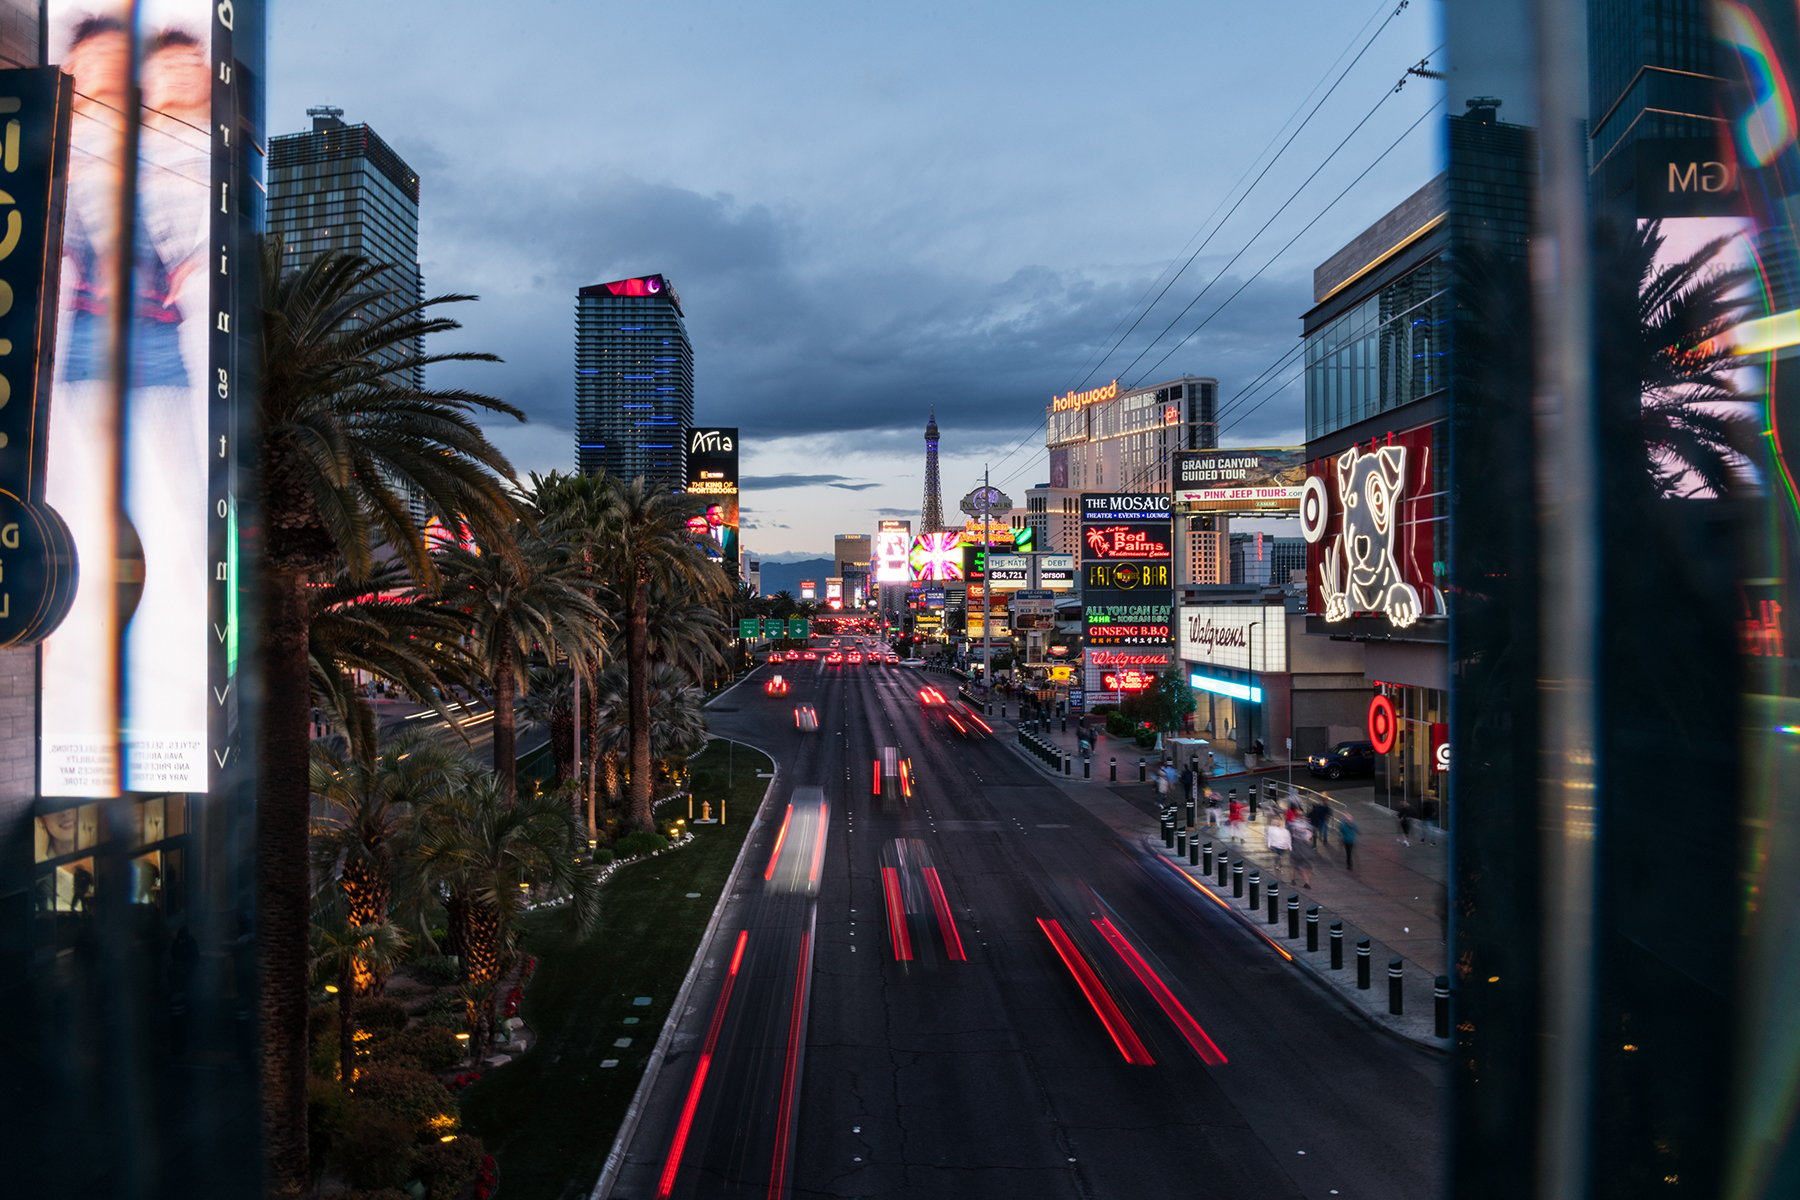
[
  {"x": 1127, "y": 576},
  {"x": 936, "y": 556},
  {"x": 1375, "y": 540},
  {"x": 809, "y": 589},
  {"x": 1250, "y": 480},
  {"x": 1008, "y": 572},
  {"x": 712, "y": 456},
  {"x": 1056, "y": 572},
  {"x": 144, "y": 701},
  {"x": 891, "y": 549}
]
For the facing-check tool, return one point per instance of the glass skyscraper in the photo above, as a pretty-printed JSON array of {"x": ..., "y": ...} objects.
[
  {"x": 634, "y": 381},
  {"x": 341, "y": 188}
]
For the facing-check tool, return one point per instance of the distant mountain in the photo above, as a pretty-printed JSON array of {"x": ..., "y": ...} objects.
[{"x": 786, "y": 576}]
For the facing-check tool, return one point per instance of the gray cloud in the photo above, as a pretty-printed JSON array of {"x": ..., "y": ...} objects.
[{"x": 775, "y": 483}]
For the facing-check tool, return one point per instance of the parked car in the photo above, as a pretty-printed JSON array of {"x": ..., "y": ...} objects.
[{"x": 1345, "y": 758}]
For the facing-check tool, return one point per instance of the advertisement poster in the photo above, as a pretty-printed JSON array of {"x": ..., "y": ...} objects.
[
  {"x": 1250, "y": 480},
  {"x": 713, "y": 476},
  {"x": 137, "y": 697},
  {"x": 1127, "y": 570}
]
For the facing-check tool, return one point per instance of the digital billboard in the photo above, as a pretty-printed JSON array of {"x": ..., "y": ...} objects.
[
  {"x": 1008, "y": 572},
  {"x": 1374, "y": 538},
  {"x": 936, "y": 556},
  {"x": 712, "y": 456},
  {"x": 146, "y": 704},
  {"x": 891, "y": 549},
  {"x": 1251, "y": 480},
  {"x": 1127, "y": 577}
]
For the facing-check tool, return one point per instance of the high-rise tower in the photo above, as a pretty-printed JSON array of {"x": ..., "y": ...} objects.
[
  {"x": 931, "y": 515},
  {"x": 341, "y": 188},
  {"x": 634, "y": 380}
]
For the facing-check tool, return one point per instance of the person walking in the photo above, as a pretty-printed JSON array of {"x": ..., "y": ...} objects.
[
  {"x": 1302, "y": 835},
  {"x": 1234, "y": 816},
  {"x": 1320, "y": 818},
  {"x": 1212, "y": 809},
  {"x": 1405, "y": 815},
  {"x": 1279, "y": 842},
  {"x": 1347, "y": 834}
]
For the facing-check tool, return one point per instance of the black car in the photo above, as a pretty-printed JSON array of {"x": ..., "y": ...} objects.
[{"x": 1345, "y": 758}]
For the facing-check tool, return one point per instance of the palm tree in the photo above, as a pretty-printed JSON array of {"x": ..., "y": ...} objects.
[
  {"x": 549, "y": 700},
  {"x": 1683, "y": 363},
  {"x": 364, "y": 822},
  {"x": 390, "y": 630},
  {"x": 346, "y": 433},
  {"x": 339, "y": 950},
  {"x": 677, "y": 726},
  {"x": 538, "y": 600},
  {"x": 650, "y": 548},
  {"x": 477, "y": 846},
  {"x": 688, "y": 634}
]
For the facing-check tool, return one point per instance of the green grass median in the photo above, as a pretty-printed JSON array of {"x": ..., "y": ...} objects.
[{"x": 550, "y": 1116}]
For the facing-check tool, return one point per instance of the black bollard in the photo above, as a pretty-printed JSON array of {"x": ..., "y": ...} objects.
[
  {"x": 1068, "y": 765},
  {"x": 1274, "y": 900},
  {"x": 1193, "y": 814},
  {"x": 1194, "y": 849},
  {"x": 1337, "y": 945},
  {"x": 1237, "y": 879},
  {"x": 1255, "y": 889},
  {"x": 1362, "y": 964},
  {"x": 1294, "y": 915},
  {"x": 1181, "y": 843},
  {"x": 1222, "y": 868},
  {"x": 1112, "y": 769},
  {"x": 1440, "y": 996},
  {"x": 1140, "y": 770},
  {"x": 1395, "y": 967},
  {"x": 1206, "y": 853},
  {"x": 1312, "y": 928},
  {"x": 1168, "y": 832},
  {"x": 1269, "y": 791},
  {"x": 1065, "y": 724},
  {"x": 1086, "y": 767}
]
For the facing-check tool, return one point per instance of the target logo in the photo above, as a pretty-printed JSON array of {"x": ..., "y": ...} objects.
[
  {"x": 1315, "y": 509},
  {"x": 1384, "y": 726}
]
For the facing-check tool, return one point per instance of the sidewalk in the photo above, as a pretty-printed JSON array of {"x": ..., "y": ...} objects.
[{"x": 1394, "y": 897}]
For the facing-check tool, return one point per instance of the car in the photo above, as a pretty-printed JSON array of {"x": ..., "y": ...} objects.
[
  {"x": 777, "y": 686},
  {"x": 892, "y": 660},
  {"x": 930, "y": 697},
  {"x": 836, "y": 656},
  {"x": 805, "y": 719},
  {"x": 1345, "y": 758},
  {"x": 811, "y": 655},
  {"x": 775, "y": 656},
  {"x": 912, "y": 662},
  {"x": 854, "y": 657}
]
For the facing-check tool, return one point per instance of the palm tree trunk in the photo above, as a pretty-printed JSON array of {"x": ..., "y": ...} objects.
[
  {"x": 637, "y": 694},
  {"x": 506, "y": 759},
  {"x": 283, "y": 886},
  {"x": 346, "y": 1026}
]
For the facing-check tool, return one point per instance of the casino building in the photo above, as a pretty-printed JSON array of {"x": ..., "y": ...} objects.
[{"x": 634, "y": 380}]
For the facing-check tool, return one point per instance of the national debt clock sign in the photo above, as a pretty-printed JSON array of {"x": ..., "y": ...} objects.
[{"x": 1127, "y": 577}]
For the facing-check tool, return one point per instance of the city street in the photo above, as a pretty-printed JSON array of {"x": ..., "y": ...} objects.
[{"x": 981, "y": 989}]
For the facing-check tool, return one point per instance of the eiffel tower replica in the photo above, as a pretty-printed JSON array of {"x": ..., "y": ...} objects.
[{"x": 931, "y": 518}]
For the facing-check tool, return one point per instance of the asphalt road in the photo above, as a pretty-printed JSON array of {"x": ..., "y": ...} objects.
[{"x": 979, "y": 990}]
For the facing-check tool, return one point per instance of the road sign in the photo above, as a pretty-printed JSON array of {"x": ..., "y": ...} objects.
[
  {"x": 1077, "y": 699},
  {"x": 749, "y": 627},
  {"x": 799, "y": 627}
]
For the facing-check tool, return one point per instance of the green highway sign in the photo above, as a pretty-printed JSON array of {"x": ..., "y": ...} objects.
[
  {"x": 749, "y": 627},
  {"x": 799, "y": 627}
]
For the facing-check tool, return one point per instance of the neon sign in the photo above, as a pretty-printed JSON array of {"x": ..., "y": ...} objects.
[
  {"x": 1127, "y": 681},
  {"x": 1358, "y": 572},
  {"x": 1070, "y": 401},
  {"x": 1122, "y": 541}
]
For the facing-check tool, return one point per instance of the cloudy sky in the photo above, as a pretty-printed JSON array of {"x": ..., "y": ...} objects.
[{"x": 870, "y": 209}]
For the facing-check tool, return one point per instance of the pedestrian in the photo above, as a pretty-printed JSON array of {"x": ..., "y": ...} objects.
[
  {"x": 1405, "y": 815},
  {"x": 1347, "y": 834},
  {"x": 1187, "y": 783},
  {"x": 1212, "y": 809},
  {"x": 1320, "y": 817},
  {"x": 1234, "y": 815},
  {"x": 1302, "y": 835},
  {"x": 1428, "y": 825},
  {"x": 1293, "y": 812},
  {"x": 1212, "y": 764},
  {"x": 1279, "y": 842},
  {"x": 1162, "y": 787}
]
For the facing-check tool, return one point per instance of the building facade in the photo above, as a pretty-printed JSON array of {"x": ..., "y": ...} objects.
[
  {"x": 1375, "y": 506},
  {"x": 634, "y": 380},
  {"x": 1259, "y": 558},
  {"x": 340, "y": 188}
]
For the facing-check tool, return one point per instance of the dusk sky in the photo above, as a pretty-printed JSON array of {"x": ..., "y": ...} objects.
[{"x": 870, "y": 209}]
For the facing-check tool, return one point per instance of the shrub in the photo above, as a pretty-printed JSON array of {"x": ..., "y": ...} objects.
[
  {"x": 1118, "y": 725},
  {"x": 327, "y": 1116},
  {"x": 1145, "y": 738},
  {"x": 385, "y": 1193},
  {"x": 439, "y": 969},
  {"x": 322, "y": 1060},
  {"x": 601, "y": 856},
  {"x": 430, "y": 1048},
  {"x": 446, "y": 1168},
  {"x": 380, "y": 1015},
  {"x": 408, "y": 1093},
  {"x": 454, "y": 1020},
  {"x": 640, "y": 842},
  {"x": 374, "y": 1149},
  {"x": 322, "y": 1022}
]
